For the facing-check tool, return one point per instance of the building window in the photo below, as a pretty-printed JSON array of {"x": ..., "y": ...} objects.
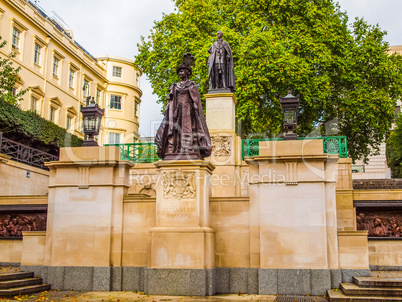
[
  {"x": 16, "y": 38},
  {"x": 135, "y": 108},
  {"x": 68, "y": 122},
  {"x": 137, "y": 79},
  {"x": 34, "y": 104},
  {"x": 86, "y": 88},
  {"x": 114, "y": 138},
  {"x": 14, "y": 91},
  {"x": 115, "y": 102},
  {"x": 98, "y": 96},
  {"x": 37, "y": 54},
  {"x": 117, "y": 71},
  {"x": 71, "y": 78},
  {"x": 52, "y": 114},
  {"x": 56, "y": 66}
]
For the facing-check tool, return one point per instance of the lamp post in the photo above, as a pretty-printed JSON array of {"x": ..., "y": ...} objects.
[
  {"x": 92, "y": 118},
  {"x": 289, "y": 105}
]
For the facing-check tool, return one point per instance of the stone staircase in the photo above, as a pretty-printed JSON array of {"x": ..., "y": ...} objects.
[
  {"x": 20, "y": 283},
  {"x": 381, "y": 286}
]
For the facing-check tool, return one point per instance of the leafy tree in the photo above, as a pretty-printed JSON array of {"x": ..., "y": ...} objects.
[
  {"x": 394, "y": 149},
  {"x": 8, "y": 78},
  {"x": 342, "y": 74}
]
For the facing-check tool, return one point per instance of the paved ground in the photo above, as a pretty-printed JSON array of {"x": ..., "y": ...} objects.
[
  {"x": 127, "y": 296},
  {"x": 133, "y": 296}
]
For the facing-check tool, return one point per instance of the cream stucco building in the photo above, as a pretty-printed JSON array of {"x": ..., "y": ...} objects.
[{"x": 56, "y": 69}]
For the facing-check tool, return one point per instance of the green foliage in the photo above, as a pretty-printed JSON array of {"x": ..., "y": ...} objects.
[
  {"x": 341, "y": 74},
  {"x": 8, "y": 78},
  {"x": 394, "y": 149},
  {"x": 29, "y": 128}
]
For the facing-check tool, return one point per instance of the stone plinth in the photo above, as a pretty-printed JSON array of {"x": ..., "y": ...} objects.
[
  {"x": 33, "y": 248},
  {"x": 182, "y": 243},
  {"x": 293, "y": 206},
  {"x": 182, "y": 237},
  {"x": 226, "y": 145},
  {"x": 85, "y": 209},
  {"x": 353, "y": 249}
]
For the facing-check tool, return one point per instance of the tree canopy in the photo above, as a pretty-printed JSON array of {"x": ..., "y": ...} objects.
[
  {"x": 344, "y": 75},
  {"x": 8, "y": 77}
]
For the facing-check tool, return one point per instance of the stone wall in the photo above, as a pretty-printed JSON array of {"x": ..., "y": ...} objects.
[
  {"x": 21, "y": 179},
  {"x": 385, "y": 254}
]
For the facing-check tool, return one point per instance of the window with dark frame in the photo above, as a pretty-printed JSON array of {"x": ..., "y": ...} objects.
[{"x": 115, "y": 102}]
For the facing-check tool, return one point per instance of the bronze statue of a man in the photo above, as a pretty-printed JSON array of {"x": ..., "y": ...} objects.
[
  {"x": 220, "y": 66},
  {"x": 183, "y": 133}
]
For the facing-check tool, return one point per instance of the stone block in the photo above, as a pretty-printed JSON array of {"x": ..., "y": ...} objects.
[
  {"x": 320, "y": 281},
  {"x": 117, "y": 276},
  {"x": 267, "y": 281},
  {"x": 348, "y": 274},
  {"x": 294, "y": 281},
  {"x": 56, "y": 277},
  {"x": 252, "y": 281},
  {"x": 142, "y": 279},
  {"x": 176, "y": 282},
  {"x": 336, "y": 278},
  {"x": 78, "y": 278},
  {"x": 102, "y": 278},
  {"x": 222, "y": 283},
  {"x": 131, "y": 278},
  {"x": 36, "y": 269},
  {"x": 238, "y": 278},
  {"x": 385, "y": 268},
  {"x": 12, "y": 264},
  {"x": 44, "y": 273},
  {"x": 211, "y": 277}
]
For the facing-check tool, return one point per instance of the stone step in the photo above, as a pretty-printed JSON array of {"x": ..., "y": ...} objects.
[
  {"x": 20, "y": 283},
  {"x": 24, "y": 290},
  {"x": 338, "y": 296},
  {"x": 378, "y": 281},
  {"x": 16, "y": 276},
  {"x": 352, "y": 289}
]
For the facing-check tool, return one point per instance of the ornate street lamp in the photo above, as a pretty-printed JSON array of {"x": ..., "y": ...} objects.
[
  {"x": 289, "y": 105},
  {"x": 92, "y": 118}
]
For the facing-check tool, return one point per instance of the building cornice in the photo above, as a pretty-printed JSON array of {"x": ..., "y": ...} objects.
[{"x": 138, "y": 90}]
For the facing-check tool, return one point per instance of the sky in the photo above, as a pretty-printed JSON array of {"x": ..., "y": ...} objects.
[{"x": 114, "y": 27}]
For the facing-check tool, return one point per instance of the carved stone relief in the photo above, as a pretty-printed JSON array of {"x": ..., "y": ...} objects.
[
  {"x": 179, "y": 185},
  {"x": 12, "y": 225},
  {"x": 221, "y": 146},
  {"x": 380, "y": 223},
  {"x": 148, "y": 190}
]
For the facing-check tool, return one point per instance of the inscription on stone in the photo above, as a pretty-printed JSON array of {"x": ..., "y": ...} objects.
[{"x": 179, "y": 209}]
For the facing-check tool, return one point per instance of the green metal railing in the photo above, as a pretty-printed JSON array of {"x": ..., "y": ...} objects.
[
  {"x": 138, "y": 152},
  {"x": 331, "y": 145}
]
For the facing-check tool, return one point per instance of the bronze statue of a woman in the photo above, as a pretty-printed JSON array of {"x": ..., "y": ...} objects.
[{"x": 183, "y": 133}]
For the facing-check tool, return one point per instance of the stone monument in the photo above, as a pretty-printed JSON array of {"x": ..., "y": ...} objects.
[
  {"x": 220, "y": 66},
  {"x": 182, "y": 243},
  {"x": 183, "y": 133}
]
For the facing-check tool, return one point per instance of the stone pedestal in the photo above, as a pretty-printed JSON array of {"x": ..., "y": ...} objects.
[
  {"x": 226, "y": 146},
  {"x": 182, "y": 243},
  {"x": 85, "y": 210},
  {"x": 292, "y": 206}
]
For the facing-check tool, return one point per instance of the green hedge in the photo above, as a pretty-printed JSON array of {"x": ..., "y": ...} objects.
[{"x": 31, "y": 129}]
